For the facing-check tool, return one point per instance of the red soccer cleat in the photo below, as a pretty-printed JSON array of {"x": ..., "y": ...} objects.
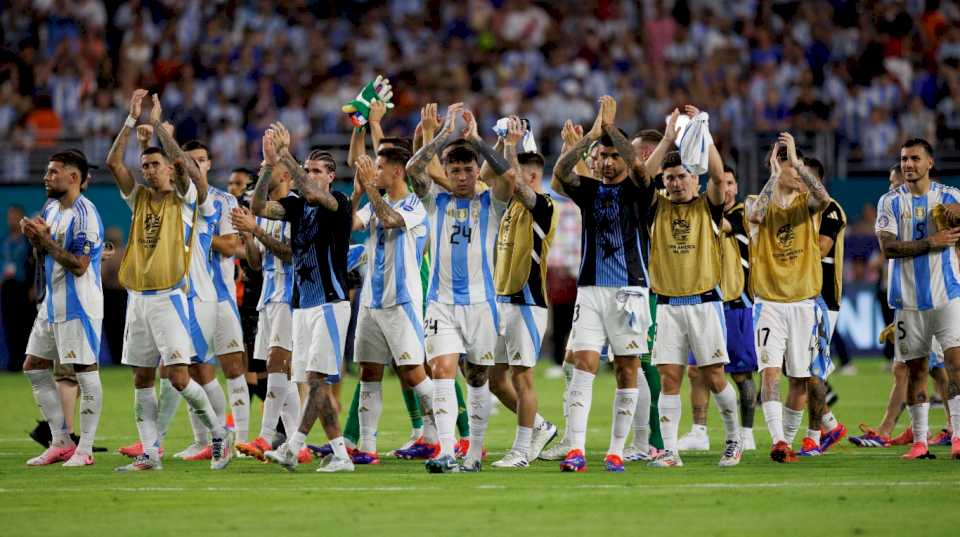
[
  {"x": 132, "y": 451},
  {"x": 782, "y": 453},
  {"x": 256, "y": 448},
  {"x": 918, "y": 451},
  {"x": 305, "y": 456},
  {"x": 955, "y": 448},
  {"x": 905, "y": 438},
  {"x": 575, "y": 461},
  {"x": 204, "y": 455},
  {"x": 943, "y": 438}
]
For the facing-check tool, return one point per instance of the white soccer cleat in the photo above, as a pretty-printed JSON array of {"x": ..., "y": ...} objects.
[
  {"x": 283, "y": 456},
  {"x": 79, "y": 459},
  {"x": 512, "y": 460},
  {"x": 666, "y": 459},
  {"x": 694, "y": 441},
  {"x": 731, "y": 454},
  {"x": 556, "y": 452},
  {"x": 336, "y": 464},
  {"x": 635, "y": 454},
  {"x": 142, "y": 463},
  {"x": 192, "y": 450},
  {"x": 542, "y": 436},
  {"x": 470, "y": 465},
  {"x": 222, "y": 451},
  {"x": 747, "y": 443}
]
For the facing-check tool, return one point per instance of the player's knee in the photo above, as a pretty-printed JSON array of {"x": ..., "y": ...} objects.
[
  {"x": 78, "y": 368},
  {"x": 693, "y": 373},
  {"x": 476, "y": 374},
  {"x": 31, "y": 363}
]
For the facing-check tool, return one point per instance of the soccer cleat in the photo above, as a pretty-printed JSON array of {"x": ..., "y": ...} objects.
[
  {"x": 782, "y": 453},
  {"x": 414, "y": 438},
  {"x": 666, "y": 459},
  {"x": 321, "y": 451},
  {"x": 336, "y": 464},
  {"x": 442, "y": 465},
  {"x": 53, "y": 455},
  {"x": 140, "y": 464},
  {"x": 541, "y": 437},
  {"x": 870, "y": 438},
  {"x": 78, "y": 459},
  {"x": 747, "y": 442},
  {"x": 419, "y": 450},
  {"x": 613, "y": 463},
  {"x": 461, "y": 447},
  {"x": 132, "y": 451},
  {"x": 305, "y": 456},
  {"x": 832, "y": 437},
  {"x": 470, "y": 465},
  {"x": 256, "y": 448},
  {"x": 283, "y": 456},
  {"x": 204, "y": 454},
  {"x": 575, "y": 461},
  {"x": 809, "y": 448},
  {"x": 191, "y": 451},
  {"x": 556, "y": 452},
  {"x": 905, "y": 438},
  {"x": 918, "y": 451},
  {"x": 222, "y": 451},
  {"x": 731, "y": 454},
  {"x": 694, "y": 441},
  {"x": 364, "y": 457},
  {"x": 942, "y": 438},
  {"x": 512, "y": 460},
  {"x": 955, "y": 448},
  {"x": 635, "y": 454}
]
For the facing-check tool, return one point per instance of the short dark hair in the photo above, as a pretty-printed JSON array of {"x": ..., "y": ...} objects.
[
  {"x": 531, "y": 158},
  {"x": 251, "y": 176},
  {"x": 399, "y": 141},
  {"x": 197, "y": 144},
  {"x": 896, "y": 169},
  {"x": 671, "y": 160},
  {"x": 394, "y": 155},
  {"x": 816, "y": 166},
  {"x": 729, "y": 169},
  {"x": 913, "y": 142},
  {"x": 461, "y": 153},
  {"x": 323, "y": 156},
  {"x": 607, "y": 141},
  {"x": 152, "y": 150},
  {"x": 649, "y": 136},
  {"x": 71, "y": 158}
]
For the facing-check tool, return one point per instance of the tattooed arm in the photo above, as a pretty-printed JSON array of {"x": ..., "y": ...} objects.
[
  {"x": 278, "y": 247},
  {"x": 563, "y": 169},
  {"x": 819, "y": 198},
  {"x": 388, "y": 216},
  {"x": 893, "y": 248},
  {"x": 39, "y": 236},
  {"x": 757, "y": 211},
  {"x": 517, "y": 183},
  {"x": 115, "y": 164},
  {"x": 417, "y": 167},
  {"x": 169, "y": 143}
]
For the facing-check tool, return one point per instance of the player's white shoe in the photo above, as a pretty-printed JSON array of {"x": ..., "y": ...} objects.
[
  {"x": 747, "y": 443},
  {"x": 283, "y": 456},
  {"x": 731, "y": 453},
  {"x": 222, "y": 451},
  {"x": 79, "y": 459},
  {"x": 635, "y": 454},
  {"x": 470, "y": 464},
  {"x": 142, "y": 463},
  {"x": 696, "y": 440},
  {"x": 556, "y": 452},
  {"x": 336, "y": 464},
  {"x": 666, "y": 459},
  {"x": 192, "y": 450},
  {"x": 512, "y": 460},
  {"x": 542, "y": 436},
  {"x": 53, "y": 455}
]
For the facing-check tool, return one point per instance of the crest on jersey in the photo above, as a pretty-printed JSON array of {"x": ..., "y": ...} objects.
[
  {"x": 785, "y": 236},
  {"x": 680, "y": 229},
  {"x": 884, "y": 221},
  {"x": 920, "y": 213}
]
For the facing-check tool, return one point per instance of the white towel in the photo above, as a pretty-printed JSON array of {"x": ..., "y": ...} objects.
[
  {"x": 694, "y": 143},
  {"x": 635, "y": 302},
  {"x": 527, "y": 143}
]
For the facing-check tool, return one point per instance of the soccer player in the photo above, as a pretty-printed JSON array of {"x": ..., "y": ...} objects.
[
  {"x": 785, "y": 278},
  {"x": 520, "y": 276},
  {"x": 462, "y": 314},
  {"x": 924, "y": 289},
  {"x": 320, "y": 225},
  {"x": 154, "y": 270},
  {"x": 612, "y": 288},
  {"x": 833, "y": 222},
  {"x": 390, "y": 322},
  {"x": 68, "y": 242}
]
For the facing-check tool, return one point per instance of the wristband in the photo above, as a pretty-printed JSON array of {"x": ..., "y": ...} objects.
[{"x": 131, "y": 122}]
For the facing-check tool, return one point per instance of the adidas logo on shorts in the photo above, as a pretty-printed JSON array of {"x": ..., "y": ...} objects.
[{"x": 72, "y": 355}]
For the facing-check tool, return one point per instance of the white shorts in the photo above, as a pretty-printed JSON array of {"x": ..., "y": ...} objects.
[
  {"x": 822, "y": 364},
  {"x": 157, "y": 330},
  {"x": 785, "y": 335},
  {"x": 394, "y": 333},
  {"x": 229, "y": 338},
  {"x": 274, "y": 329},
  {"x": 73, "y": 342},
  {"x": 697, "y": 328},
  {"x": 320, "y": 343},
  {"x": 607, "y": 314},
  {"x": 469, "y": 329},
  {"x": 298, "y": 360},
  {"x": 916, "y": 330},
  {"x": 522, "y": 327}
]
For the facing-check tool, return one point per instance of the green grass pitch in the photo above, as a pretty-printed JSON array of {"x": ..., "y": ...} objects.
[{"x": 850, "y": 491}]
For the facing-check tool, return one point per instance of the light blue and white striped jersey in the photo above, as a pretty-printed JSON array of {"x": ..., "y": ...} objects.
[
  {"x": 277, "y": 275},
  {"x": 79, "y": 230},
  {"x": 927, "y": 281},
  {"x": 222, "y": 266},
  {"x": 394, "y": 255},
  {"x": 201, "y": 266},
  {"x": 463, "y": 239}
]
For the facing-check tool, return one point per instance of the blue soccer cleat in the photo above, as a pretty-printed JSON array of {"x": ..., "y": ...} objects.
[
  {"x": 443, "y": 465},
  {"x": 613, "y": 463},
  {"x": 809, "y": 448},
  {"x": 832, "y": 437},
  {"x": 575, "y": 461}
]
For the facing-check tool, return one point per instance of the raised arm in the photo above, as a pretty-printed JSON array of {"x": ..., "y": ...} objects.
[
  {"x": 358, "y": 146},
  {"x": 492, "y": 157},
  {"x": 517, "y": 183},
  {"x": 819, "y": 198},
  {"x": 652, "y": 165},
  {"x": 164, "y": 132},
  {"x": 38, "y": 234},
  {"x": 388, "y": 216},
  {"x": 417, "y": 167},
  {"x": 714, "y": 165},
  {"x": 355, "y": 198},
  {"x": 608, "y": 114},
  {"x": 311, "y": 191},
  {"x": 757, "y": 210},
  {"x": 563, "y": 169},
  {"x": 377, "y": 110},
  {"x": 115, "y": 164},
  {"x": 144, "y": 135},
  {"x": 260, "y": 204},
  {"x": 486, "y": 171}
]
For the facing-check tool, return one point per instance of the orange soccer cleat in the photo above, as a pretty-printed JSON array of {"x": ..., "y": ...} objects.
[
  {"x": 918, "y": 450},
  {"x": 255, "y": 448},
  {"x": 904, "y": 439},
  {"x": 782, "y": 453}
]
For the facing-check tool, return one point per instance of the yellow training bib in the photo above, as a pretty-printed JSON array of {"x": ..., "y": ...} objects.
[
  {"x": 684, "y": 248},
  {"x": 785, "y": 254},
  {"x": 158, "y": 254}
]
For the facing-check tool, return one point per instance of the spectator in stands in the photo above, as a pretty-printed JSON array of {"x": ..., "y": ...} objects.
[{"x": 15, "y": 290}]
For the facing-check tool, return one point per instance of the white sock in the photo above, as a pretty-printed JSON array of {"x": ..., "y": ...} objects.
[
  {"x": 567, "y": 377},
  {"x": 197, "y": 398},
  {"x": 578, "y": 401},
  {"x": 670, "y": 413},
  {"x": 48, "y": 399},
  {"x": 218, "y": 400},
  {"x": 91, "y": 403},
  {"x": 699, "y": 430},
  {"x": 791, "y": 423},
  {"x": 814, "y": 435},
  {"x": 953, "y": 407},
  {"x": 641, "y": 415},
  {"x": 339, "y": 447},
  {"x": 296, "y": 441},
  {"x": 290, "y": 409},
  {"x": 537, "y": 421},
  {"x": 371, "y": 404},
  {"x": 829, "y": 421},
  {"x": 478, "y": 405},
  {"x": 424, "y": 392},
  {"x": 624, "y": 405},
  {"x": 521, "y": 442},
  {"x": 239, "y": 406},
  {"x": 773, "y": 414},
  {"x": 277, "y": 385},
  {"x": 445, "y": 414},
  {"x": 919, "y": 414},
  {"x": 201, "y": 434},
  {"x": 146, "y": 413},
  {"x": 168, "y": 405},
  {"x": 726, "y": 401}
]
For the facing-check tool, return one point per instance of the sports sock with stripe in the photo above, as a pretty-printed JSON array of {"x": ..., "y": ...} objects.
[
  {"x": 919, "y": 414},
  {"x": 773, "y": 414},
  {"x": 168, "y": 405},
  {"x": 670, "y": 414},
  {"x": 91, "y": 403},
  {"x": 413, "y": 408},
  {"x": 371, "y": 404},
  {"x": 48, "y": 399},
  {"x": 445, "y": 414},
  {"x": 277, "y": 386},
  {"x": 480, "y": 403},
  {"x": 791, "y": 423},
  {"x": 146, "y": 413},
  {"x": 197, "y": 398},
  {"x": 239, "y": 406},
  {"x": 217, "y": 400},
  {"x": 624, "y": 406},
  {"x": 726, "y": 401},
  {"x": 579, "y": 401}
]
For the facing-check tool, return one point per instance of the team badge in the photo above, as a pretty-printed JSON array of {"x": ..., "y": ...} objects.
[{"x": 884, "y": 221}]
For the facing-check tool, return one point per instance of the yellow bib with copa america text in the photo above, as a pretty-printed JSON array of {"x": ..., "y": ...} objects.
[
  {"x": 684, "y": 248},
  {"x": 785, "y": 254},
  {"x": 732, "y": 280},
  {"x": 158, "y": 249}
]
